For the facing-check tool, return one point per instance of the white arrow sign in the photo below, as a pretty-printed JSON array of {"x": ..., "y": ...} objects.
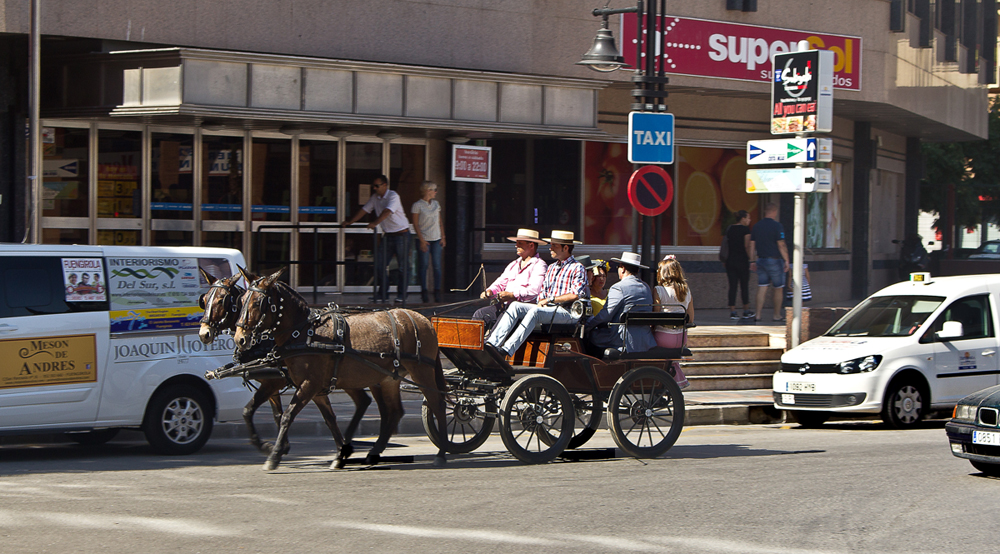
[
  {"x": 793, "y": 150},
  {"x": 792, "y": 179}
]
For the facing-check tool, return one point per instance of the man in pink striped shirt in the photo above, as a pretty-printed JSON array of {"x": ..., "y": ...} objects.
[{"x": 520, "y": 281}]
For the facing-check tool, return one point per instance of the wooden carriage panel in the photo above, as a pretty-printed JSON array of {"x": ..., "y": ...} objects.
[
  {"x": 533, "y": 353},
  {"x": 607, "y": 374},
  {"x": 459, "y": 333}
]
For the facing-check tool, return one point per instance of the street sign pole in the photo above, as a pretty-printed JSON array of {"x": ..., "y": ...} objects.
[{"x": 799, "y": 237}]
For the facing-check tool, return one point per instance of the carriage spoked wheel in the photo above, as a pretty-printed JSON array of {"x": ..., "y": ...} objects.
[
  {"x": 589, "y": 409},
  {"x": 645, "y": 412},
  {"x": 469, "y": 421},
  {"x": 536, "y": 419}
]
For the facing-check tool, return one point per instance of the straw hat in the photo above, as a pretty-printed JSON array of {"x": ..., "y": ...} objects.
[
  {"x": 562, "y": 237},
  {"x": 630, "y": 258},
  {"x": 528, "y": 235}
]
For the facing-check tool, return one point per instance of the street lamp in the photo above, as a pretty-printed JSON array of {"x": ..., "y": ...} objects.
[{"x": 649, "y": 95}]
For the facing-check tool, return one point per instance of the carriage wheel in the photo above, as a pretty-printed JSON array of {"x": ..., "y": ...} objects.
[
  {"x": 469, "y": 422},
  {"x": 588, "y": 420},
  {"x": 589, "y": 409},
  {"x": 536, "y": 406},
  {"x": 645, "y": 412}
]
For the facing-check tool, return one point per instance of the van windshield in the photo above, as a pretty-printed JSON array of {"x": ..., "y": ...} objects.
[{"x": 886, "y": 316}]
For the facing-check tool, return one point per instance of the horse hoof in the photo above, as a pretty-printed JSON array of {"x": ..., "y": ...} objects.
[
  {"x": 372, "y": 459},
  {"x": 266, "y": 448},
  {"x": 346, "y": 451},
  {"x": 439, "y": 461},
  {"x": 338, "y": 463},
  {"x": 270, "y": 465}
]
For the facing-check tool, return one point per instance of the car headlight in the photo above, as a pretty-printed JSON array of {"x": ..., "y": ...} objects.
[
  {"x": 965, "y": 412},
  {"x": 859, "y": 365}
]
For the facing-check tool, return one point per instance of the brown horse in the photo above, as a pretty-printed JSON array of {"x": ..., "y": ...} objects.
[
  {"x": 222, "y": 305},
  {"x": 379, "y": 349}
]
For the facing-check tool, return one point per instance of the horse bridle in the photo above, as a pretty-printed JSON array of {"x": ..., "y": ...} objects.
[
  {"x": 230, "y": 305},
  {"x": 259, "y": 331}
]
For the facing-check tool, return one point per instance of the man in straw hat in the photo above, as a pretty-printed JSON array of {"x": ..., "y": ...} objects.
[
  {"x": 565, "y": 281},
  {"x": 521, "y": 281},
  {"x": 629, "y": 294}
]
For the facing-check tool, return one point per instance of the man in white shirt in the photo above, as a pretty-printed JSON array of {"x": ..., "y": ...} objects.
[{"x": 395, "y": 239}]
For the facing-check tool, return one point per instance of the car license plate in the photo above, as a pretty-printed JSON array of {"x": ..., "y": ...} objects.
[
  {"x": 802, "y": 387},
  {"x": 986, "y": 437},
  {"x": 788, "y": 399}
]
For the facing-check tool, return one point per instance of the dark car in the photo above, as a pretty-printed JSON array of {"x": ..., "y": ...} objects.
[
  {"x": 989, "y": 250},
  {"x": 973, "y": 430}
]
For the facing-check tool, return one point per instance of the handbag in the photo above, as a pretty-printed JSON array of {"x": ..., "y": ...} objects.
[{"x": 724, "y": 247}]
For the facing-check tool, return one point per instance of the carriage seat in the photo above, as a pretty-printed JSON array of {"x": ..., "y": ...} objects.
[
  {"x": 669, "y": 319},
  {"x": 656, "y": 353}
]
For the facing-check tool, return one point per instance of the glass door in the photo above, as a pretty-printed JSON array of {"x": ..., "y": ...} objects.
[
  {"x": 362, "y": 164},
  {"x": 222, "y": 191},
  {"x": 317, "y": 192},
  {"x": 270, "y": 199},
  {"x": 119, "y": 186},
  {"x": 65, "y": 184},
  {"x": 172, "y": 186}
]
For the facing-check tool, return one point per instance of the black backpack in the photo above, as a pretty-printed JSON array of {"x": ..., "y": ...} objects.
[{"x": 724, "y": 247}]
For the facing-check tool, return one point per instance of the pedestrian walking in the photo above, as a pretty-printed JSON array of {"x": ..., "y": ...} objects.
[
  {"x": 769, "y": 255},
  {"x": 395, "y": 227},
  {"x": 429, "y": 226},
  {"x": 806, "y": 289},
  {"x": 738, "y": 263}
]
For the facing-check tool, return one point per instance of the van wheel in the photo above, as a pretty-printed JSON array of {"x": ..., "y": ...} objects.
[
  {"x": 93, "y": 438},
  {"x": 178, "y": 420},
  {"x": 810, "y": 420},
  {"x": 905, "y": 404}
]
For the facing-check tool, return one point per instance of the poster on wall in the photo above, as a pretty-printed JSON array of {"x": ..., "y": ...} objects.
[
  {"x": 710, "y": 189},
  {"x": 607, "y": 214}
]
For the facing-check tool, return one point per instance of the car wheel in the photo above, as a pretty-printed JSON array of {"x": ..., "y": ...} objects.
[
  {"x": 993, "y": 470},
  {"x": 178, "y": 420},
  {"x": 810, "y": 420},
  {"x": 93, "y": 438},
  {"x": 905, "y": 404}
]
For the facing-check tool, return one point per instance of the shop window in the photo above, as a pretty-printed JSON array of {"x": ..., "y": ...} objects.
[
  {"x": 222, "y": 178},
  {"x": 119, "y": 159},
  {"x": 607, "y": 214},
  {"x": 536, "y": 184},
  {"x": 363, "y": 164},
  {"x": 172, "y": 179},
  {"x": 823, "y": 213},
  {"x": 119, "y": 237},
  {"x": 272, "y": 180},
  {"x": 317, "y": 181},
  {"x": 65, "y": 154},
  {"x": 406, "y": 174},
  {"x": 709, "y": 189}
]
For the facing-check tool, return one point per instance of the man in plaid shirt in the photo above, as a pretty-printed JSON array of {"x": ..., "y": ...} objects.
[{"x": 565, "y": 281}]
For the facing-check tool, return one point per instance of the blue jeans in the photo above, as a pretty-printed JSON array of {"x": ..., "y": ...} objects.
[
  {"x": 520, "y": 320},
  {"x": 432, "y": 256},
  {"x": 388, "y": 246},
  {"x": 771, "y": 271}
]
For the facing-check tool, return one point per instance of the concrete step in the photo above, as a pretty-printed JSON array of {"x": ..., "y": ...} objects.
[
  {"x": 728, "y": 382},
  {"x": 755, "y": 367},
  {"x": 732, "y": 339},
  {"x": 736, "y": 354}
]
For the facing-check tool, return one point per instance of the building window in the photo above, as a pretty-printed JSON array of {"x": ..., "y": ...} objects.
[
  {"x": 536, "y": 184},
  {"x": 710, "y": 188},
  {"x": 119, "y": 194},
  {"x": 823, "y": 213}
]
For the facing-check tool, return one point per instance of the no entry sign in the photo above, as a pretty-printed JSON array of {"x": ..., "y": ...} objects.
[{"x": 650, "y": 190}]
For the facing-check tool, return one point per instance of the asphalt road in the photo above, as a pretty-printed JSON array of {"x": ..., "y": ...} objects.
[{"x": 850, "y": 487}]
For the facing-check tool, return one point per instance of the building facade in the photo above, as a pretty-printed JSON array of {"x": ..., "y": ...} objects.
[{"x": 259, "y": 125}]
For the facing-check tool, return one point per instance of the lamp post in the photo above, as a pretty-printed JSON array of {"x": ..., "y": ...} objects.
[{"x": 649, "y": 95}]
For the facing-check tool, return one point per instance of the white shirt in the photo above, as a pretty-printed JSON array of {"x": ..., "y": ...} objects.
[
  {"x": 396, "y": 221},
  {"x": 429, "y": 218}
]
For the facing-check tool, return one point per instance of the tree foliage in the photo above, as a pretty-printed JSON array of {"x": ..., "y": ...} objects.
[{"x": 974, "y": 169}]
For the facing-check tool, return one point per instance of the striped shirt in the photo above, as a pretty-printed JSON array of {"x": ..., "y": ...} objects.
[{"x": 567, "y": 277}]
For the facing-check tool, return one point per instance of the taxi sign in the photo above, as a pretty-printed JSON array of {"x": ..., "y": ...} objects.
[
  {"x": 792, "y": 150},
  {"x": 920, "y": 277},
  {"x": 650, "y": 138}
]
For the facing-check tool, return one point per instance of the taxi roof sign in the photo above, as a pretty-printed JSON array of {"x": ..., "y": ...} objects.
[{"x": 920, "y": 277}]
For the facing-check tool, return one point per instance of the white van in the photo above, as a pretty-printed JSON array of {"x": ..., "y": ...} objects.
[
  {"x": 98, "y": 338},
  {"x": 910, "y": 348}
]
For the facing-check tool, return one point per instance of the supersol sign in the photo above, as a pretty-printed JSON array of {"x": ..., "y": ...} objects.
[{"x": 802, "y": 92}]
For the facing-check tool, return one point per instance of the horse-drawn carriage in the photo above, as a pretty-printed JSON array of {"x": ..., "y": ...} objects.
[
  {"x": 541, "y": 394},
  {"x": 550, "y": 395}
]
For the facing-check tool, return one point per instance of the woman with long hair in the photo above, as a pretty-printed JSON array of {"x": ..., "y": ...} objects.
[{"x": 672, "y": 290}]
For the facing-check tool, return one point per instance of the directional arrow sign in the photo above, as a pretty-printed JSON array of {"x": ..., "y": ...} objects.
[
  {"x": 792, "y": 179},
  {"x": 793, "y": 150}
]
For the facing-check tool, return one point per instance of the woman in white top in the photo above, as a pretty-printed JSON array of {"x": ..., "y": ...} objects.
[
  {"x": 672, "y": 290},
  {"x": 429, "y": 225}
]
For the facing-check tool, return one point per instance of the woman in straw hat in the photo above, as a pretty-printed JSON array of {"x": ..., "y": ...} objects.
[
  {"x": 565, "y": 281},
  {"x": 521, "y": 281}
]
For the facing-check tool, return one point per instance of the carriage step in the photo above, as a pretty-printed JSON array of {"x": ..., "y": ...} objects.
[{"x": 589, "y": 454}]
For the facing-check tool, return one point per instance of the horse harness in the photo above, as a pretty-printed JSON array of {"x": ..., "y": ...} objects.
[
  {"x": 230, "y": 304},
  {"x": 304, "y": 341}
]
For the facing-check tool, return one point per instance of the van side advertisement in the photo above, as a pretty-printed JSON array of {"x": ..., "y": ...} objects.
[
  {"x": 48, "y": 361},
  {"x": 153, "y": 293}
]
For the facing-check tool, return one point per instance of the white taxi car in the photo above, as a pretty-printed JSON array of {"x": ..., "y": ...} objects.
[
  {"x": 98, "y": 338},
  {"x": 910, "y": 348}
]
